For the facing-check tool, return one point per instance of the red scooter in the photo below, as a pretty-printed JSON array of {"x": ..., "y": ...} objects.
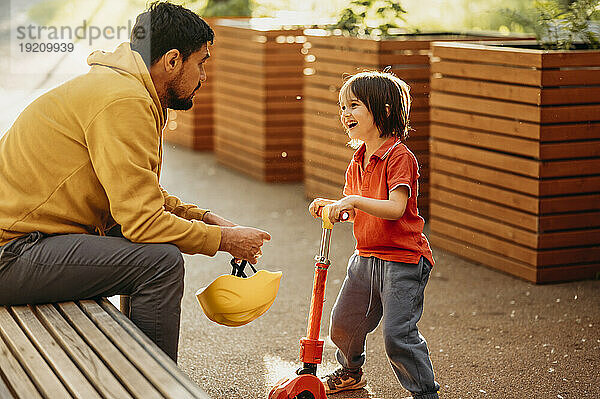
[{"x": 306, "y": 385}]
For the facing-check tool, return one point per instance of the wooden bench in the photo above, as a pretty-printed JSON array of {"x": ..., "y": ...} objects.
[{"x": 84, "y": 349}]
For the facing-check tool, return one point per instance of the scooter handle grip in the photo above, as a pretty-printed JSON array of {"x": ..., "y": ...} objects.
[{"x": 343, "y": 216}]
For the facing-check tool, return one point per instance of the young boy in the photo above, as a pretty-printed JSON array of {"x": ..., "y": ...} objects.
[{"x": 388, "y": 272}]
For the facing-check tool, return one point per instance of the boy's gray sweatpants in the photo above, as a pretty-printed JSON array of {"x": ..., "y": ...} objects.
[
  {"x": 37, "y": 268},
  {"x": 376, "y": 289}
]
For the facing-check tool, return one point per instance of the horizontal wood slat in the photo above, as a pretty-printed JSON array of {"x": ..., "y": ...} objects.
[
  {"x": 515, "y": 127},
  {"x": 495, "y": 73},
  {"x": 480, "y": 53},
  {"x": 525, "y": 94},
  {"x": 509, "y": 181},
  {"x": 515, "y": 164},
  {"x": 529, "y": 148},
  {"x": 319, "y": 188},
  {"x": 502, "y": 263},
  {"x": 516, "y": 235},
  {"x": 258, "y": 169},
  {"x": 513, "y": 251}
]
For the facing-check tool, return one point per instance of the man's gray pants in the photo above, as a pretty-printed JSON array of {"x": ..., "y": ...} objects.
[
  {"x": 37, "y": 268},
  {"x": 376, "y": 289}
]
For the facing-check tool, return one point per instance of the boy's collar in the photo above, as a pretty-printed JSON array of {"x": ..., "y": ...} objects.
[{"x": 381, "y": 153}]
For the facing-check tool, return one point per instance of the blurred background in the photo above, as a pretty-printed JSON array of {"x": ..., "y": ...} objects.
[{"x": 27, "y": 75}]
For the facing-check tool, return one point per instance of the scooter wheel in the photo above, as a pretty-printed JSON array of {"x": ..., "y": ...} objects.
[{"x": 305, "y": 395}]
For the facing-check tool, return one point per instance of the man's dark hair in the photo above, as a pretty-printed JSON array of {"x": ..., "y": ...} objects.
[{"x": 165, "y": 26}]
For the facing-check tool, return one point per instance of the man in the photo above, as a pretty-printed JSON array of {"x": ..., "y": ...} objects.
[{"x": 82, "y": 213}]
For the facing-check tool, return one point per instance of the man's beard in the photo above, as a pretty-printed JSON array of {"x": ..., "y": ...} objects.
[
  {"x": 176, "y": 102},
  {"x": 174, "y": 99}
]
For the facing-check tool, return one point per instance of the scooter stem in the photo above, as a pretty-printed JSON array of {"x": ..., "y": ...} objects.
[
  {"x": 318, "y": 295},
  {"x": 311, "y": 346},
  {"x": 306, "y": 384}
]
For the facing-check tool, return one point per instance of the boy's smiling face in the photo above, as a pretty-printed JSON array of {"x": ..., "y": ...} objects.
[{"x": 356, "y": 118}]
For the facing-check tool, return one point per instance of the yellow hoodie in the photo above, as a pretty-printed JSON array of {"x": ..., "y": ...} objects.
[{"x": 88, "y": 153}]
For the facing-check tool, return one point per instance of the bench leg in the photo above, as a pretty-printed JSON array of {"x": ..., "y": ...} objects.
[{"x": 125, "y": 304}]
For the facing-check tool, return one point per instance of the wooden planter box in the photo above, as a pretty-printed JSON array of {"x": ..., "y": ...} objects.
[
  {"x": 515, "y": 158},
  {"x": 330, "y": 57},
  {"x": 194, "y": 128},
  {"x": 258, "y": 99}
]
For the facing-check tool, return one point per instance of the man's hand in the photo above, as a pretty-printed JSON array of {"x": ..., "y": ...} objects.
[{"x": 243, "y": 242}]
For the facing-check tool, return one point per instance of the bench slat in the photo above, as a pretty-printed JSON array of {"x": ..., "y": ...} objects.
[
  {"x": 153, "y": 350},
  {"x": 15, "y": 375},
  {"x": 129, "y": 376},
  {"x": 36, "y": 367},
  {"x": 4, "y": 391},
  {"x": 135, "y": 352},
  {"x": 74, "y": 380},
  {"x": 91, "y": 365}
]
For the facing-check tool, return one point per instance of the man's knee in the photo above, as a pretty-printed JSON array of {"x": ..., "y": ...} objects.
[{"x": 168, "y": 259}]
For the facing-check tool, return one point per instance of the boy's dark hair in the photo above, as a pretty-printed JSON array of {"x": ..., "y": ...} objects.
[
  {"x": 165, "y": 26},
  {"x": 378, "y": 91}
]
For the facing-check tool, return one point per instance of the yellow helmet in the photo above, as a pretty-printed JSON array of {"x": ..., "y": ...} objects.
[{"x": 233, "y": 300}]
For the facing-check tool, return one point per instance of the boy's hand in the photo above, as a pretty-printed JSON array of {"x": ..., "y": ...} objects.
[
  {"x": 346, "y": 204},
  {"x": 314, "y": 206}
]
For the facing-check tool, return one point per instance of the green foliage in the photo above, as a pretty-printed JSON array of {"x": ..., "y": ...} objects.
[
  {"x": 521, "y": 20},
  {"x": 227, "y": 8},
  {"x": 559, "y": 24},
  {"x": 580, "y": 17},
  {"x": 357, "y": 19}
]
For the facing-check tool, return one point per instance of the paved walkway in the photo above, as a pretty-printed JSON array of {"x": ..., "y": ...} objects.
[{"x": 490, "y": 335}]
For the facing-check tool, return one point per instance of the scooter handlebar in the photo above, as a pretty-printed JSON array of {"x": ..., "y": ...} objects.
[{"x": 325, "y": 217}]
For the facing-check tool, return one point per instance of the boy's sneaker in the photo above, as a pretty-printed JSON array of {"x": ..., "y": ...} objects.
[{"x": 343, "y": 380}]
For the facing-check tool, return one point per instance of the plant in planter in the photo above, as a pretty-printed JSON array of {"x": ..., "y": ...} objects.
[
  {"x": 515, "y": 156},
  {"x": 367, "y": 36},
  {"x": 560, "y": 24},
  {"x": 354, "y": 20}
]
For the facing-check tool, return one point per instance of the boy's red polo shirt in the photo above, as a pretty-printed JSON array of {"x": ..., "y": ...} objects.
[{"x": 391, "y": 166}]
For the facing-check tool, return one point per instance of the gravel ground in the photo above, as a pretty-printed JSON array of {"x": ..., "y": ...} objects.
[{"x": 490, "y": 335}]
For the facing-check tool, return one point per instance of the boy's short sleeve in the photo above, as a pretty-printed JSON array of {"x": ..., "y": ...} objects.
[
  {"x": 348, "y": 190},
  {"x": 402, "y": 170}
]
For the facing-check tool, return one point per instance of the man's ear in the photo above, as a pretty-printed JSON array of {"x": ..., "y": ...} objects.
[
  {"x": 387, "y": 110},
  {"x": 171, "y": 60}
]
